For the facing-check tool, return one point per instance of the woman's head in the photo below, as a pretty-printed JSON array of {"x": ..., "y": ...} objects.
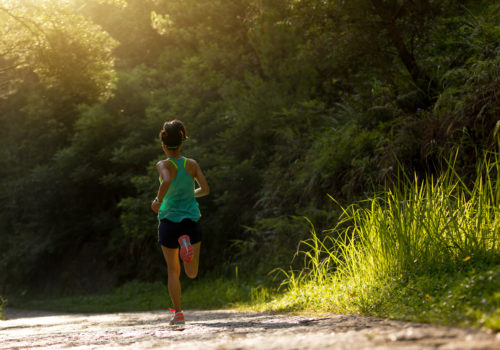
[{"x": 173, "y": 134}]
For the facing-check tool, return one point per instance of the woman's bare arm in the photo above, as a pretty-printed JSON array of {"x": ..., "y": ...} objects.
[
  {"x": 162, "y": 168},
  {"x": 204, "y": 189}
]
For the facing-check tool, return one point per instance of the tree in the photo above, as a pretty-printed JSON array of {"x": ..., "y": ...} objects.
[{"x": 63, "y": 48}]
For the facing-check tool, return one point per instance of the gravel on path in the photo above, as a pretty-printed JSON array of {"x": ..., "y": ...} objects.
[{"x": 230, "y": 330}]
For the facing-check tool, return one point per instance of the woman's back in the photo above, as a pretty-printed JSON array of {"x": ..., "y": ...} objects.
[{"x": 179, "y": 203}]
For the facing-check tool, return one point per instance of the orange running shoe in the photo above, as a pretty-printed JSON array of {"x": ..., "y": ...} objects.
[{"x": 186, "y": 251}]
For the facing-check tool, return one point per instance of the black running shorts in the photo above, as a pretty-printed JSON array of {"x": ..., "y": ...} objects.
[{"x": 169, "y": 232}]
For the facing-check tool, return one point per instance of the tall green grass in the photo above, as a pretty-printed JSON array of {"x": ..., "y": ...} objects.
[
  {"x": 402, "y": 252},
  {"x": 427, "y": 227}
]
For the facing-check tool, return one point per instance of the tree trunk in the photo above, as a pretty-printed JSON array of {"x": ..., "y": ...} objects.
[{"x": 423, "y": 82}]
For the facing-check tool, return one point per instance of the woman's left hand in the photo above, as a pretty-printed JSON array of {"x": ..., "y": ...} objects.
[{"x": 155, "y": 206}]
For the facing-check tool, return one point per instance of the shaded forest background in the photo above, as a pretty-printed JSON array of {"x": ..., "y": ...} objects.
[{"x": 286, "y": 101}]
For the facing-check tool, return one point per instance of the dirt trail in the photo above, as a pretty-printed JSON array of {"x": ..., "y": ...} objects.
[{"x": 229, "y": 330}]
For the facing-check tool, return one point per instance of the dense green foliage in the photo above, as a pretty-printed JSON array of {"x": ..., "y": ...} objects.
[{"x": 285, "y": 101}]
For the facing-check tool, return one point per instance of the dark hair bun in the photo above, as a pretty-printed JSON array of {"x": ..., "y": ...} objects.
[{"x": 173, "y": 134}]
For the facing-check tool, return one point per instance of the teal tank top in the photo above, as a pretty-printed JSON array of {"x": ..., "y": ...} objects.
[{"x": 179, "y": 203}]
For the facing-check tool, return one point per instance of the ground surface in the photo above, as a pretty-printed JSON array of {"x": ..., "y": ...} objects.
[{"x": 229, "y": 330}]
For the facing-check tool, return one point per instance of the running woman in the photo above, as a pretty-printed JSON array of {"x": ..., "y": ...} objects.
[{"x": 179, "y": 230}]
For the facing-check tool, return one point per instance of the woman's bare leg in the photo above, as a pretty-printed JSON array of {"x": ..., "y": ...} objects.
[
  {"x": 174, "y": 271},
  {"x": 191, "y": 268}
]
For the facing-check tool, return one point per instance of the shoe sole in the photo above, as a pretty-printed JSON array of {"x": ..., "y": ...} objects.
[
  {"x": 177, "y": 325},
  {"x": 185, "y": 243}
]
